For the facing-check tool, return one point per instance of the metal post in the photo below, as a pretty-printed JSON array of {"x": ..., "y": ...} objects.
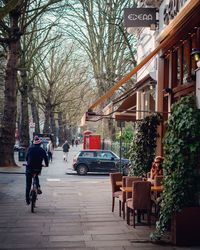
[{"x": 120, "y": 152}]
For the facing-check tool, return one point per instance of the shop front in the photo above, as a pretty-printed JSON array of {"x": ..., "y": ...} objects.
[{"x": 177, "y": 64}]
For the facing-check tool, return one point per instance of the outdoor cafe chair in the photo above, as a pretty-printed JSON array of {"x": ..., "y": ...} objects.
[
  {"x": 122, "y": 198},
  {"x": 126, "y": 182},
  {"x": 141, "y": 200},
  {"x": 114, "y": 177}
]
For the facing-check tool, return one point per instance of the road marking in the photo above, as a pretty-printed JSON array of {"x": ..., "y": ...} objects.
[{"x": 53, "y": 179}]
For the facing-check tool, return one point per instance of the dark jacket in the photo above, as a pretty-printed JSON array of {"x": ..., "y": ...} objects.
[
  {"x": 66, "y": 147},
  {"x": 34, "y": 158}
]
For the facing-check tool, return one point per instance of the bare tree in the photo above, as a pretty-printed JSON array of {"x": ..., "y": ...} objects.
[
  {"x": 33, "y": 43},
  {"x": 97, "y": 26},
  {"x": 61, "y": 86},
  {"x": 12, "y": 26}
]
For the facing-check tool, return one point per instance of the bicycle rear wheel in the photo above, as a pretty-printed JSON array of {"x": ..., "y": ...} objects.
[{"x": 33, "y": 200}]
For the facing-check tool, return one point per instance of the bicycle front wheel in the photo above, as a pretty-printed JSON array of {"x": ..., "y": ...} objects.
[{"x": 33, "y": 200}]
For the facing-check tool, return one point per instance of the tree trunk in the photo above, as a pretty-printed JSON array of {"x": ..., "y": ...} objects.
[
  {"x": 24, "y": 125},
  {"x": 46, "y": 128},
  {"x": 111, "y": 129},
  {"x": 61, "y": 136},
  {"x": 2, "y": 84},
  {"x": 34, "y": 111},
  {"x": 53, "y": 127},
  {"x": 7, "y": 135},
  {"x": 65, "y": 132}
]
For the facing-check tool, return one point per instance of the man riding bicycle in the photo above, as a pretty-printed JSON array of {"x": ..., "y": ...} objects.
[{"x": 34, "y": 158}]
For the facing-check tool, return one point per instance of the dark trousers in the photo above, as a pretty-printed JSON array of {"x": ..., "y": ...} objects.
[
  {"x": 50, "y": 156},
  {"x": 29, "y": 177}
]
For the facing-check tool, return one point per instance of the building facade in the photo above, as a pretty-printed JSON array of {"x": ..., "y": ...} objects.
[{"x": 179, "y": 31}]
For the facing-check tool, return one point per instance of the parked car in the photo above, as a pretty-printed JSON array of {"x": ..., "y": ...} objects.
[
  {"x": 17, "y": 147},
  {"x": 104, "y": 161}
]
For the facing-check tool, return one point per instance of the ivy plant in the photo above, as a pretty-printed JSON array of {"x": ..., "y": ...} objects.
[
  {"x": 142, "y": 151},
  {"x": 181, "y": 165}
]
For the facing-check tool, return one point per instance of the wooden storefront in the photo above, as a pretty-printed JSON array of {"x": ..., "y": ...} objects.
[{"x": 176, "y": 66}]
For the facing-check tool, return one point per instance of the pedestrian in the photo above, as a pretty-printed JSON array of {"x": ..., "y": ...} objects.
[
  {"x": 34, "y": 158},
  {"x": 76, "y": 142},
  {"x": 156, "y": 168},
  {"x": 65, "y": 148},
  {"x": 50, "y": 149},
  {"x": 73, "y": 142}
]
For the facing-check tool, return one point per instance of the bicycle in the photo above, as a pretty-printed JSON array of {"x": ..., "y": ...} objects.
[{"x": 34, "y": 191}]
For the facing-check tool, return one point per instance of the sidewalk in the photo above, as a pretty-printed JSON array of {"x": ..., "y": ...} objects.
[
  {"x": 20, "y": 169},
  {"x": 73, "y": 213}
]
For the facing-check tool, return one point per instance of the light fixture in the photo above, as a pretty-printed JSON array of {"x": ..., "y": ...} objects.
[
  {"x": 168, "y": 90},
  {"x": 196, "y": 55}
]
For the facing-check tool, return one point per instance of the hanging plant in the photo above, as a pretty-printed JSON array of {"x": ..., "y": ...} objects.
[
  {"x": 181, "y": 164},
  {"x": 142, "y": 152}
]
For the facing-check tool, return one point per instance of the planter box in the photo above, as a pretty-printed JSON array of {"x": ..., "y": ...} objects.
[{"x": 186, "y": 227}]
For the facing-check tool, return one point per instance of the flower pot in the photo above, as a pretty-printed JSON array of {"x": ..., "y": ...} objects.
[{"x": 185, "y": 227}]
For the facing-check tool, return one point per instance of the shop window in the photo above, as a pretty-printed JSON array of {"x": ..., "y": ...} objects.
[
  {"x": 186, "y": 62},
  {"x": 195, "y": 44},
  {"x": 179, "y": 65},
  {"x": 147, "y": 100},
  {"x": 166, "y": 72}
]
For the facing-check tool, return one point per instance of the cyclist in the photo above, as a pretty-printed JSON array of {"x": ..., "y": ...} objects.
[{"x": 34, "y": 158}]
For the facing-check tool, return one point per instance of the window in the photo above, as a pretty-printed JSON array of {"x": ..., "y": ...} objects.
[
  {"x": 186, "y": 61},
  {"x": 181, "y": 65},
  {"x": 105, "y": 155},
  {"x": 87, "y": 154}
]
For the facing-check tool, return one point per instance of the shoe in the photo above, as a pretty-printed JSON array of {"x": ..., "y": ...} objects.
[
  {"x": 27, "y": 202},
  {"x": 39, "y": 191}
]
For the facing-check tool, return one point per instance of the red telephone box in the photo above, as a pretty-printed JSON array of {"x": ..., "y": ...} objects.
[{"x": 91, "y": 141}]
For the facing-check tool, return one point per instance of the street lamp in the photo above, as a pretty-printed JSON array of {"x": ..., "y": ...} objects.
[{"x": 120, "y": 124}]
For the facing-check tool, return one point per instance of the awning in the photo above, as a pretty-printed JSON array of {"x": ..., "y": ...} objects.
[
  {"x": 171, "y": 32},
  {"x": 127, "y": 77},
  {"x": 127, "y": 110}
]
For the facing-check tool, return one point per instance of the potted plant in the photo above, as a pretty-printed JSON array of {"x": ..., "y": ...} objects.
[
  {"x": 181, "y": 167},
  {"x": 142, "y": 151}
]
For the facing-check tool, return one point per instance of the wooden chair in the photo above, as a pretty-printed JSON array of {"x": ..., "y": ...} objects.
[
  {"x": 141, "y": 200},
  {"x": 122, "y": 198},
  {"x": 114, "y": 177},
  {"x": 126, "y": 182}
]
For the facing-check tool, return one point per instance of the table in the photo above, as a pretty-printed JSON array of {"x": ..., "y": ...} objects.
[
  {"x": 119, "y": 183},
  {"x": 153, "y": 188}
]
